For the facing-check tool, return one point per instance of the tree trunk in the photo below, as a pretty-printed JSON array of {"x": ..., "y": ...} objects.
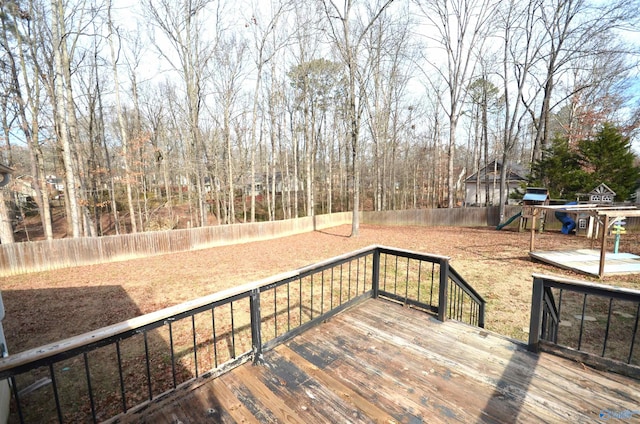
[
  {"x": 122, "y": 127},
  {"x": 31, "y": 131},
  {"x": 61, "y": 100}
]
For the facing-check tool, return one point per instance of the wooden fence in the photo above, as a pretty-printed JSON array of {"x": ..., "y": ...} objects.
[
  {"x": 20, "y": 258},
  {"x": 458, "y": 217}
]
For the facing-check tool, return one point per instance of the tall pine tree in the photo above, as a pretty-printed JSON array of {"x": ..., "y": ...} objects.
[
  {"x": 604, "y": 158},
  {"x": 559, "y": 171},
  {"x": 607, "y": 158}
]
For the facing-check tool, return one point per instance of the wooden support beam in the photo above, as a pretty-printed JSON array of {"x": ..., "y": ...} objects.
[
  {"x": 532, "y": 242},
  {"x": 603, "y": 246}
]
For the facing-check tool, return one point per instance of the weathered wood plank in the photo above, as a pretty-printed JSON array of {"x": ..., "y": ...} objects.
[
  {"x": 378, "y": 362},
  {"x": 229, "y": 404},
  {"x": 256, "y": 406},
  {"x": 313, "y": 401},
  {"x": 427, "y": 390},
  {"x": 345, "y": 392},
  {"x": 276, "y": 404},
  {"x": 541, "y": 380}
]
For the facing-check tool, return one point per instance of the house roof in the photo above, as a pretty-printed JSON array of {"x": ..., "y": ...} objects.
[
  {"x": 514, "y": 173},
  {"x": 602, "y": 189}
]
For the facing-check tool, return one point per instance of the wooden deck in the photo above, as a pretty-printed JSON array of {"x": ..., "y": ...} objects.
[
  {"x": 587, "y": 261},
  {"x": 380, "y": 362}
]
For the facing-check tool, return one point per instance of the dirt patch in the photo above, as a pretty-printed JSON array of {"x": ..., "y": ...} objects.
[{"x": 45, "y": 307}]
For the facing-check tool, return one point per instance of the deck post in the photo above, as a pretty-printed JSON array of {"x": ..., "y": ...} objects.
[
  {"x": 537, "y": 299},
  {"x": 376, "y": 273},
  {"x": 443, "y": 292},
  {"x": 256, "y": 335},
  {"x": 481, "y": 315}
]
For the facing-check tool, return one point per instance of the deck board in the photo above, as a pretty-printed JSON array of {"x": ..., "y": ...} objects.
[
  {"x": 587, "y": 261},
  {"x": 381, "y": 363}
]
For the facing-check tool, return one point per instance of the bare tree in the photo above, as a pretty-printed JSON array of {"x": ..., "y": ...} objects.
[
  {"x": 266, "y": 44},
  {"x": 10, "y": 15},
  {"x": 121, "y": 121},
  {"x": 228, "y": 79},
  {"x": 348, "y": 41},
  {"x": 460, "y": 30},
  {"x": 519, "y": 55},
  {"x": 574, "y": 29},
  {"x": 183, "y": 26},
  {"x": 66, "y": 127}
]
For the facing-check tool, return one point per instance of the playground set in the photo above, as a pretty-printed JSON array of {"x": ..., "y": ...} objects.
[{"x": 597, "y": 218}]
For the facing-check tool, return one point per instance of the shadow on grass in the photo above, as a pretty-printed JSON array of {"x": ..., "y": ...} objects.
[{"x": 38, "y": 317}]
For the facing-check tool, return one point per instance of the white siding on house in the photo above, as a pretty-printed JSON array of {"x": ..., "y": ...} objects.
[{"x": 494, "y": 194}]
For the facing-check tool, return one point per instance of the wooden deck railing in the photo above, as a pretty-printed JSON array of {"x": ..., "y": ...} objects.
[
  {"x": 108, "y": 372},
  {"x": 592, "y": 323}
]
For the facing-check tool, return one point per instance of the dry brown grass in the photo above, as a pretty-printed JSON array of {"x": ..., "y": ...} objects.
[{"x": 48, "y": 306}]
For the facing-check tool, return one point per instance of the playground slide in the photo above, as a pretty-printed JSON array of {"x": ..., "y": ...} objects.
[
  {"x": 568, "y": 224},
  {"x": 509, "y": 221}
]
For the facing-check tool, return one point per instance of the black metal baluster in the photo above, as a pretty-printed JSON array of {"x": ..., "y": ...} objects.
[
  {"x": 275, "y": 311},
  {"x": 450, "y": 298},
  {"x": 395, "y": 277},
  {"x": 364, "y": 283},
  {"x": 54, "y": 385},
  {"x": 545, "y": 321},
  {"x": 560, "y": 305},
  {"x": 339, "y": 285},
  {"x": 233, "y": 333},
  {"x": 300, "y": 302},
  {"x": 173, "y": 355},
  {"x": 357, "y": 282},
  {"x": 433, "y": 276},
  {"x": 456, "y": 299},
  {"x": 406, "y": 284},
  {"x": 215, "y": 339},
  {"x": 322, "y": 292},
  {"x": 384, "y": 279},
  {"x": 90, "y": 390},
  {"x": 419, "y": 278},
  {"x": 331, "y": 290},
  {"x": 584, "y": 305},
  {"x": 348, "y": 283},
  {"x": 311, "y": 296},
  {"x": 195, "y": 343},
  {"x": 633, "y": 337},
  {"x": 289, "y": 306},
  {"x": 146, "y": 354},
  {"x": 121, "y": 376},
  {"x": 606, "y": 331}
]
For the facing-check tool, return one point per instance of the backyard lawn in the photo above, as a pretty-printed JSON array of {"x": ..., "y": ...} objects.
[{"x": 45, "y": 307}]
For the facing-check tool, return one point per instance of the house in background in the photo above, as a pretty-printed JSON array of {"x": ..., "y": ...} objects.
[{"x": 486, "y": 183}]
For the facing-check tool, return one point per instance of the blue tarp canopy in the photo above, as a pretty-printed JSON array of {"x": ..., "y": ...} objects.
[{"x": 536, "y": 197}]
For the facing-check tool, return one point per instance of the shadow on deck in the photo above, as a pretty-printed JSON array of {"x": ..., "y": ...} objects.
[{"x": 380, "y": 362}]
